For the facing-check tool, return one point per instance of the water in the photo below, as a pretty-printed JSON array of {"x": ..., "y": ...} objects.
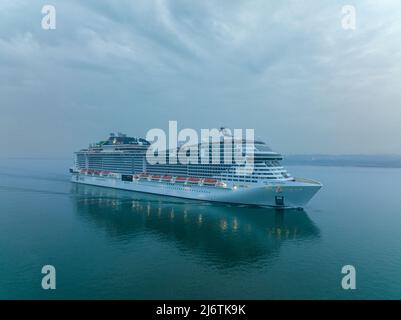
[{"x": 107, "y": 243}]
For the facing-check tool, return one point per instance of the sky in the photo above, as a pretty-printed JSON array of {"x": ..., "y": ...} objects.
[{"x": 287, "y": 69}]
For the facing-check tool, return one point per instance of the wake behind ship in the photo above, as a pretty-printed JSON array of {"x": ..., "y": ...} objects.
[{"x": 120, "y": 162}]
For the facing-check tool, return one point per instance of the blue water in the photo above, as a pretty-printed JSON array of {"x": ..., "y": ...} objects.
[{"x": 107, "y": 243}]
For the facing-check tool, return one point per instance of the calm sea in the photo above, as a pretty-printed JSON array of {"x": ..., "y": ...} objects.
[{"x": 107, "y": 243}]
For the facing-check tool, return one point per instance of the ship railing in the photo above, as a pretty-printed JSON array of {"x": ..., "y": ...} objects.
[{"x": 304, "y": 180}]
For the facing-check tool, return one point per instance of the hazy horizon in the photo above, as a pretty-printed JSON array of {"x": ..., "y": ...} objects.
[{"x": 288, "y": 70}]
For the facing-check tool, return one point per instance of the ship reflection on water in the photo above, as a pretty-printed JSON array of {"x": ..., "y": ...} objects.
[{"x": 222, "y": 235}]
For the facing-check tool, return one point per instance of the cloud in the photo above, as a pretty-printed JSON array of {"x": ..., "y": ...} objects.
[{"x": 285, "y": 68}]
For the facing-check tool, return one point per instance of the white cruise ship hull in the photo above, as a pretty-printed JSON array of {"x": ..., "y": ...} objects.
[{"x": 284, "y": 194}]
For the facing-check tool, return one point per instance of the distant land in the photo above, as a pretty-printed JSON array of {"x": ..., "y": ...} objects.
[{"x": 379, "y": 161}]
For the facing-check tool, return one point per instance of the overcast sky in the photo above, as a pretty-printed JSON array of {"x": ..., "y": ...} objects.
[{"x": 285, "y": 68}]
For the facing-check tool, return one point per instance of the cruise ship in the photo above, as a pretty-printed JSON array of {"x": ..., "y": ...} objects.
[{"x": 121, "y": 162}]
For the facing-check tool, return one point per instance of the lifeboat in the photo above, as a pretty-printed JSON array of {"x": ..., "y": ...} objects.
[
  {"x": 210, "y": 181},
  {"x": 221, "y": 184},
  {"x": 180, "y": 179},
  {"x": 155, "y": 177},
  {"x": 167, "y": 178},
  {"x": 193, "y": 180}
]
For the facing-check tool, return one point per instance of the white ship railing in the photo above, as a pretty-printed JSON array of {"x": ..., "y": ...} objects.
[{"x": 308, "y": 181}]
